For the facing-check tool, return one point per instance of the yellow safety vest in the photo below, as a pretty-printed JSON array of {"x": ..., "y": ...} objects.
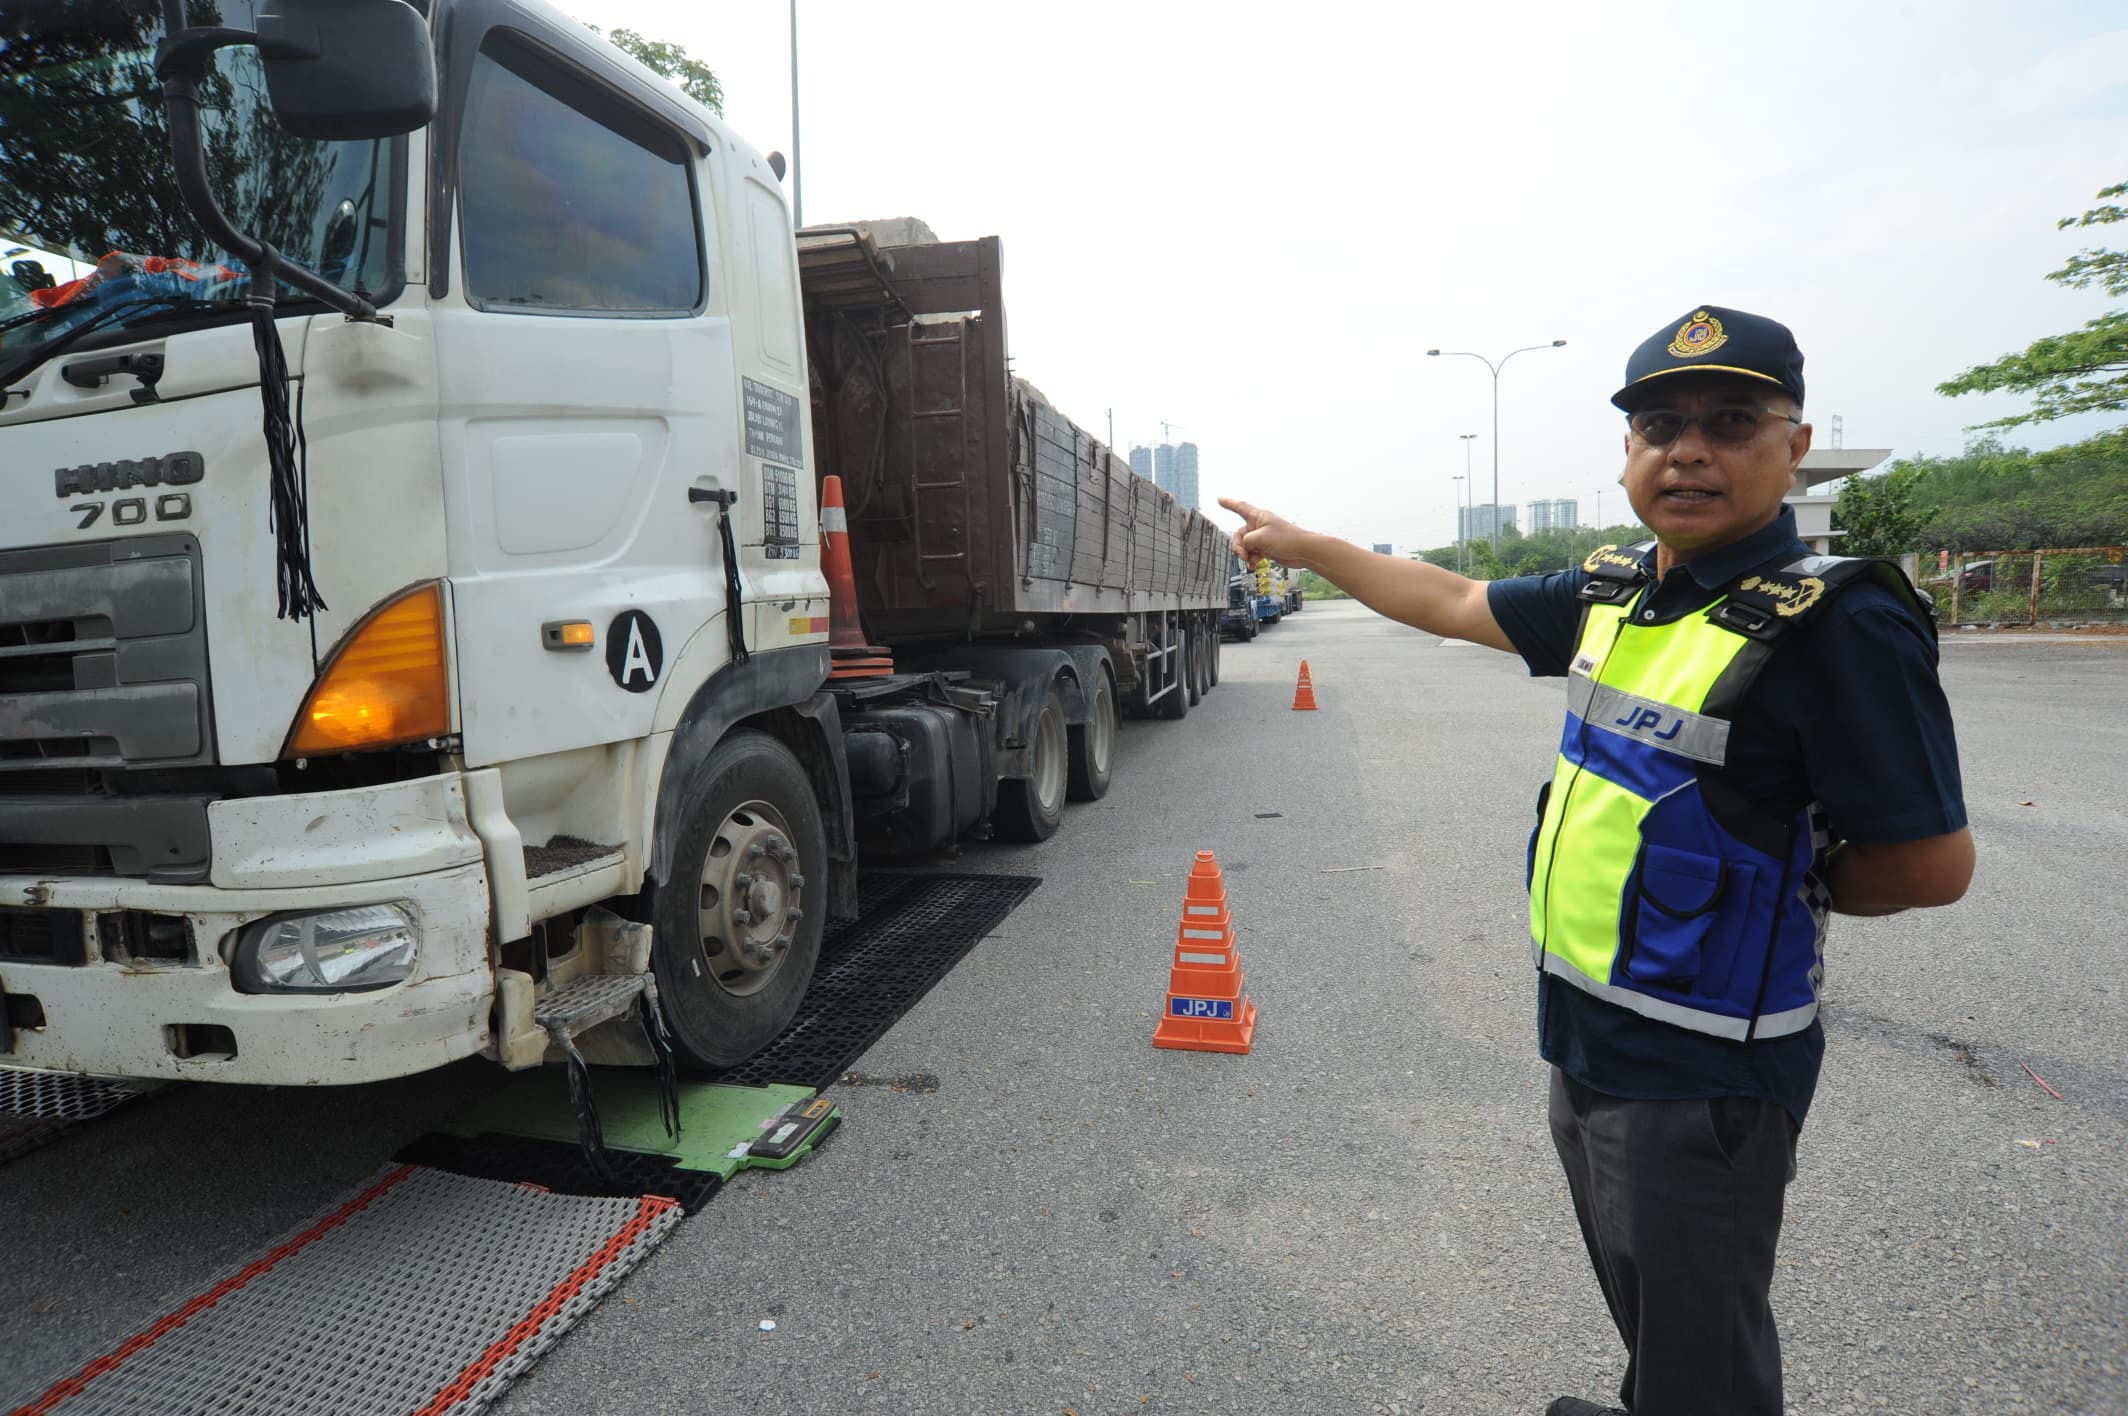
[{"x": 1654, "y": 884}]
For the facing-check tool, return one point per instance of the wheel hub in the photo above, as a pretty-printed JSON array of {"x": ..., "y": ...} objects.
[{"x": 751, "y": 898}]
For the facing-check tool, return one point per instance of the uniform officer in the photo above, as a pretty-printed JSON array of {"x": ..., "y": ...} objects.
[{"x": 1754, "y": 737}]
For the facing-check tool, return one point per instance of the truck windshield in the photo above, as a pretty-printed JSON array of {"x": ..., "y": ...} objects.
[{"x": 85, "y": 175}]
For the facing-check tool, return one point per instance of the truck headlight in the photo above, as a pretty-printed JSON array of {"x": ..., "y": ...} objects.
[{"x": 339, "y": 951}]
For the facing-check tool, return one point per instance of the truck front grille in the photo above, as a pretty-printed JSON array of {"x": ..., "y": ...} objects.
[{"x": 103, "y": 688}]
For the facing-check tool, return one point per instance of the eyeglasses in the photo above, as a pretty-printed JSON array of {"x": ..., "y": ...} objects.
[{"x": 1732, "y": 423}]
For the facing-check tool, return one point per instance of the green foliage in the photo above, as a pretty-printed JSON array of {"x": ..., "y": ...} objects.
[
  {"x": 673, "y": 62},
  {"x": 1878, "y": 513},
  {"x": 1314, "y": 587},
  {"x": 2083, "y": 371},
  {"x": 1537, "y": 554},
  {"x": 1997, "y": 498}
]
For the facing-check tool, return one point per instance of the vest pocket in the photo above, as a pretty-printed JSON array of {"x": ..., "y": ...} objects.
[{"x": 1670, "y": 909}]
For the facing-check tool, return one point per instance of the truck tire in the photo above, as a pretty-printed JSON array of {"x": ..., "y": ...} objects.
[
  {"x": 1031, "y": 808},
  {"x": 1211, "y": 670},
  {"x": 1093, "y": 746},
  {"x": 1194, "y": 637},
  {"x": 1176, "y": 703},
  {"x": 737, "y": 928}
]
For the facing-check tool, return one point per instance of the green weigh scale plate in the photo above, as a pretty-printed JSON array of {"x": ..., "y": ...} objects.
[{"x": 723, "y": 1129}]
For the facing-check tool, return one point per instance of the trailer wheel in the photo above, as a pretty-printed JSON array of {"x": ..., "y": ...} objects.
[
  {"x": 1194, "y": 637},
  {"x": 736, "y": 933},
  {"x": 1176, "y": 703},
  {"x": 1093, "y": 746},
  {"x": 1031, "y": 808},
  {"x": 1211, "y": 670}
]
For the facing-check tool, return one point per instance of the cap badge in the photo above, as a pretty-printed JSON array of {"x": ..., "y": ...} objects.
[{"x": 1702, "y": 334}]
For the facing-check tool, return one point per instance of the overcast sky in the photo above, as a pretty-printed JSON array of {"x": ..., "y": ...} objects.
[{"x": 1253, "y": 221}]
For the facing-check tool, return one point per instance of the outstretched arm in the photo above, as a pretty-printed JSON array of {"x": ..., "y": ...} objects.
[{"x": 1420, "y": 595}]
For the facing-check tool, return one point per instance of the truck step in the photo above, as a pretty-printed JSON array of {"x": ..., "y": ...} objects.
[{"x": 584, "y": 1002}]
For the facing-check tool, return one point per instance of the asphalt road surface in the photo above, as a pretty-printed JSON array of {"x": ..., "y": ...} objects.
[{"x": 1031, "y": 1210}]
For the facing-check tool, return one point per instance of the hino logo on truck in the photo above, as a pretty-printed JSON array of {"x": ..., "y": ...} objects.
[{"x": 176, "y": 469}]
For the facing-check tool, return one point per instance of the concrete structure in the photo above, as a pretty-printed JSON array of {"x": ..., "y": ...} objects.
[
  {"x": 1558, "y": 514},
  {"x": 1475, "y": 523},
  {"x": 1813, "y": 509},
  {"x": 1141, "y": 461}
]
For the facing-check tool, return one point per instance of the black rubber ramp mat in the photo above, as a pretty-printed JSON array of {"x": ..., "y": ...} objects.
[
  {"x": 37, "y": 1108},
  {"x": 910, "y": 930},
  {"x": 437, "y": 1290},
  {"x": 560, "y": 1167}
]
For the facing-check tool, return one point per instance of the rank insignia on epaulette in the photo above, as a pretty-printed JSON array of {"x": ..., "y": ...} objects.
[
  {"x": 1614, "y": 558},
  {"x": 1790, "y": 597}
]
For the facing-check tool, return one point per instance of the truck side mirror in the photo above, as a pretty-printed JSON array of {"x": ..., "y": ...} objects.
[{"x": 346, "y": 70}]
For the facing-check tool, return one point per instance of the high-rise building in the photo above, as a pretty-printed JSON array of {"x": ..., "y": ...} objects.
[
  {"x": 1171, "y": 467},
  {"x": 1558, "y": 514},
  {"x": 1475, "y": 523},
  {"x": 1184, "y": 483}
]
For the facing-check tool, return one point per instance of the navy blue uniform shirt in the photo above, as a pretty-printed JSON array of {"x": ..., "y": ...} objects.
[{"x": 1847, "y": 713}]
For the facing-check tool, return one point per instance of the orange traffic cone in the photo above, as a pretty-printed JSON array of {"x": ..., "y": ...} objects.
[
  {"x": 1304, "y": 693},
  {"x": 851, "y": 656},
  {"x": 1206, "y": 1009}
]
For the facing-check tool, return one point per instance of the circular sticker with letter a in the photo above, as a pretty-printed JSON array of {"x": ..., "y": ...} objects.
[{"x": 634, "y": 653}]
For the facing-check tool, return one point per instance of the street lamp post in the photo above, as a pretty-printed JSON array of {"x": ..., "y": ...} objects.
[
  {"x": 1468, "y": 439},
  {"x": 1494, "y": 369},
  {"x": 1464, "y": 529}
]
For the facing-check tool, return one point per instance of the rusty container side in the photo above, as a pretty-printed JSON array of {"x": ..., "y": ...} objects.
[{"x": 974, "y": 505}]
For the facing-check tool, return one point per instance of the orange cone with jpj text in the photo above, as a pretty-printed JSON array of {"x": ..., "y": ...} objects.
[
  {"x": 1206, "y": 1008},
  {"x": 1304, "y": 693}
]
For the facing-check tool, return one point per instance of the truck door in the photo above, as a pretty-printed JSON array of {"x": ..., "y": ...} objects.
[{"x": 585, "y": 366}]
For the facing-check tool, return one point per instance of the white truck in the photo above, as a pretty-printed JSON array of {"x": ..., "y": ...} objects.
[{"x": 410, "y": 546}]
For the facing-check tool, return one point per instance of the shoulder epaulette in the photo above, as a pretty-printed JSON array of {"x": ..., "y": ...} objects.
[
  {"x": 1766, "y": 604},
  {"x": 1614, "y": 573}
]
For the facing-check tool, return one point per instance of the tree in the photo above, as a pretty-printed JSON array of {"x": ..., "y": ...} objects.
[
  {"x": 2083, "y": 371},
  {"x": 1314, "y": 587},
  {"x": 673, "y": 62},
  {"x": 1879, "y": 515}
]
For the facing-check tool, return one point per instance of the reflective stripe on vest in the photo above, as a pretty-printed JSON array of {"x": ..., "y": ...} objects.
[{"x": 1641, "y": 893}]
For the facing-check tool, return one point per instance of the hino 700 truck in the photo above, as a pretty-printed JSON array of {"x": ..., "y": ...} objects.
[{"x": 412, "y": 606}]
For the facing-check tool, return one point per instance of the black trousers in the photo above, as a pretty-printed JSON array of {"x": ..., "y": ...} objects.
[{"x": 1680, "y": 1205}]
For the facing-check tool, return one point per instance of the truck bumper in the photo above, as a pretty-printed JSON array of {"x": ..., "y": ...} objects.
[{"x": 117, "y": 1015}]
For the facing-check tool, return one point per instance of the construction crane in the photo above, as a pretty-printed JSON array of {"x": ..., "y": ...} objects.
[{"x": 1165, "y": 425}]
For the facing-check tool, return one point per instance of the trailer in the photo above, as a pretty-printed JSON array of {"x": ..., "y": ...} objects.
[{"x": 417, "y": 626}]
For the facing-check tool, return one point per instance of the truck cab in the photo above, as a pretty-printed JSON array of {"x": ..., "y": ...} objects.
[{"x": 303, "y": 756}]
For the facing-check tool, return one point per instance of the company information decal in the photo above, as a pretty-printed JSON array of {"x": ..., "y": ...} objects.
[{"x": 772, "y": 434}]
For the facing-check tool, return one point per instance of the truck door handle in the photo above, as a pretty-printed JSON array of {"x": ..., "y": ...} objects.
[
  {"x": 726, "y": 499},
  {"x": 94, "y": 373}
]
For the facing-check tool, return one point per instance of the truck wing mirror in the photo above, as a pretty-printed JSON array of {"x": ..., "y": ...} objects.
[{"x": 343, "y": 70}]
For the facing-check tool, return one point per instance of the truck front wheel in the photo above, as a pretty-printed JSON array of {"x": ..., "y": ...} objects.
[
  {"x": 738, "y": 926},
  {"x": 1031, "y": 808}
]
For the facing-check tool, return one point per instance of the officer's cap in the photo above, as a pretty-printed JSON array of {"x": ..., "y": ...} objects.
[{"x": 1714, "y": 340}]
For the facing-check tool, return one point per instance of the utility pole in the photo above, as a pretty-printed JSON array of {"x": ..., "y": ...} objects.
[
  {"x": 1463, "y": 539},
  {"x": 1494, "y": 369}
]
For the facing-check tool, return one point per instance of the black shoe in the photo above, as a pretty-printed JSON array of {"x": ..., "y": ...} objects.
[{"x": 1575, "y": 1406}]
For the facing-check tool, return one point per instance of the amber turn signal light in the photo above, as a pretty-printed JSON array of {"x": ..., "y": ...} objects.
[{"x": 387, "y": 683}]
